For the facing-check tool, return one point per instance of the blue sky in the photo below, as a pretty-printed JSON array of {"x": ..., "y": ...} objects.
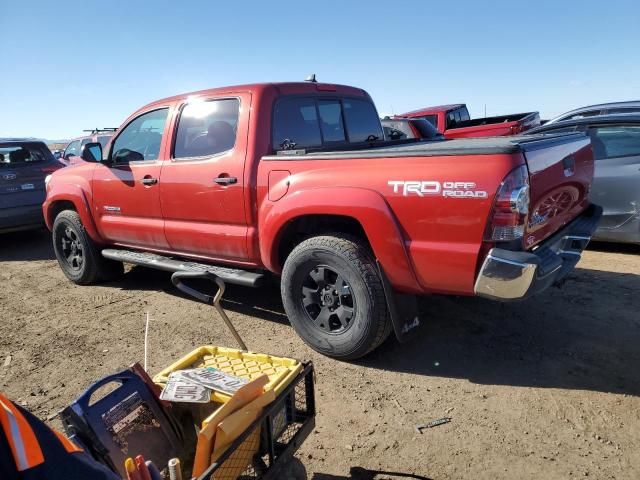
[{"x": 71, "y": 65}]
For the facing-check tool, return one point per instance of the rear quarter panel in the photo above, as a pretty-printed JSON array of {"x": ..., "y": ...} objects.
[{"x": 440, "y": 237}]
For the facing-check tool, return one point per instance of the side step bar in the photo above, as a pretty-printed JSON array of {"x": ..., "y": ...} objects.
[{"x": 168, "y": 264}]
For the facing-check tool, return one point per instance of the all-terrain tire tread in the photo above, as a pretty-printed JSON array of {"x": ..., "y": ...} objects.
[{"x": 361, "y": 257}]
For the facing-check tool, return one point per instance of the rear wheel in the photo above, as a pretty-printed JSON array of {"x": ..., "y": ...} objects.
[
  {"x": 77, "y": 255},
  {"x": 334, "y": 298}
]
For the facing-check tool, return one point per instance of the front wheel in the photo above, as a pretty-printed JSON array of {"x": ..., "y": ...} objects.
[
  {"x": 77, "y": 256},
  {"x": 333, "y": 296}
]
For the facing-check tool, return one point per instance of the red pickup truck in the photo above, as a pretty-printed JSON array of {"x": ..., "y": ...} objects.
[
  {"x": 453, "y": 121},
  {"x": 296, "y": 179}
]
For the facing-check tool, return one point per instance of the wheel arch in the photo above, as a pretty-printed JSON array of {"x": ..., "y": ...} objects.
[
  {"x": 360, "y": 212},
  {"x": 56, "y": 203}
]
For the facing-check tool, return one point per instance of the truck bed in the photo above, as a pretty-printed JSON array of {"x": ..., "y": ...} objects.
[{"x": 462, "y": 146}]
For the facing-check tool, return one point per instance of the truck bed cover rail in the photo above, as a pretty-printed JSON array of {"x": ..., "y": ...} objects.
[{"x": 462, "y": 146}]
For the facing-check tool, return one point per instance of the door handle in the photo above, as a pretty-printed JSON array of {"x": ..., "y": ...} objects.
[
  {"x": 225, "y": 180},
  {"x": 149, "y": 181}
]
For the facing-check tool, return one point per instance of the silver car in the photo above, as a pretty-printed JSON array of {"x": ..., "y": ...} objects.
[
  {"x": 615, "y": 140},
  {"x": 613, "y": 108}
]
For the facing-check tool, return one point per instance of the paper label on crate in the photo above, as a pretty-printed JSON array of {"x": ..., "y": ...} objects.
[
  {"x": 214, "y": 379},
  {"x": 179, "y": 390}
]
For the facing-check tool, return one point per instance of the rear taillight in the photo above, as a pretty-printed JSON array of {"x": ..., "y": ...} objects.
[{"x": 510, "y": 208}]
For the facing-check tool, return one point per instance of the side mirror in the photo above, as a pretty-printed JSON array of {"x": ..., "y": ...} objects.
[{"x": 92, "y": 152}]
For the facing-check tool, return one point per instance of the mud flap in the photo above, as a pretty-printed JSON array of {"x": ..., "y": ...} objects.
[{"x": 403, "y": 309}]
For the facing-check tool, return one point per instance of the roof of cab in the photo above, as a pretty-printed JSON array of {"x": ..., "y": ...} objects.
[{"x": 261, "y": 87}]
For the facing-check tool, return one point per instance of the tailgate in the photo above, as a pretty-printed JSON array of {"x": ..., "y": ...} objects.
[
  {"x": 560, "y": 176},
  {"x": 21, "y": 187}
]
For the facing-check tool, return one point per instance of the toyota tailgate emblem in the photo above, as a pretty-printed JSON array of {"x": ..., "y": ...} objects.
[{"x": 9, "y": 176}]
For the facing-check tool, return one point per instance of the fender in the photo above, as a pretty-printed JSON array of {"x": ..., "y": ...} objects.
[
  {"x": 367, "y": 207},
  {"x": 75, "y": 194}
]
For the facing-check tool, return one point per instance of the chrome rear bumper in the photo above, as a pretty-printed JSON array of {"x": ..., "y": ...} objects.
[{"x": 508, "y": 275}]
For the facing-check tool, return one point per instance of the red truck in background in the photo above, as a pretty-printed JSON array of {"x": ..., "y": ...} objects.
[
  {"x": 297, "y": 180},
  {"x": 453, "y": 121}
]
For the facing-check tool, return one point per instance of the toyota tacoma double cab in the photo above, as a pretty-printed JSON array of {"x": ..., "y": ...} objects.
[
  {"x": 453, "y": 121},
  {"x": 297, "y": 180}
]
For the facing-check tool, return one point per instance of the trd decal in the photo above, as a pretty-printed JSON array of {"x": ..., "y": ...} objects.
[{"x": 442, "y": 189}]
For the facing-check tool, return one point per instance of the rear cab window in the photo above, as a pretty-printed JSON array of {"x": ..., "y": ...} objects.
[
  {"x": 317, "y": 122},
  {"x": 456, "y": 117},
  {"x": 12, "y": 155}
]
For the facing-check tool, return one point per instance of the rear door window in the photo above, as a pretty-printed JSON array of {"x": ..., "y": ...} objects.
[
  {"x": 615, "y": 141},
  {"x": 207, "y": 128}
]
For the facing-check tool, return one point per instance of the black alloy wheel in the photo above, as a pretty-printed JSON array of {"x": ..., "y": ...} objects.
[
  {"x": 328, "y": 300},
  {"x": 71, "y": 249}
]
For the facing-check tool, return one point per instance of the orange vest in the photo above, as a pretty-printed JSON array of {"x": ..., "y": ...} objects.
[{"x": 22, "y": 440}]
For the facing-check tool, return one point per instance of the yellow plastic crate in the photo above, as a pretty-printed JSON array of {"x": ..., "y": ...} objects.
[{"x": 280, "y": 370}]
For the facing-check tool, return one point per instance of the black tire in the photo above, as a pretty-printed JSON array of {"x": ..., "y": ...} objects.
[
  {"x": 341, "y": 326},
  {"x": 77, "y": 255}
]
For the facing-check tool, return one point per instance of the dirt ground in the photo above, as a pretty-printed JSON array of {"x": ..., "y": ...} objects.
[{"x": 547, "y": 388}]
